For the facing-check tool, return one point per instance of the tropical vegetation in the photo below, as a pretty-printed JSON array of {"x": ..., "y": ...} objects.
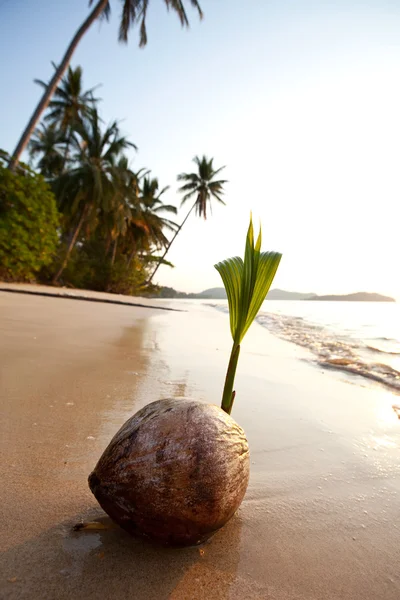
[
  {"x": 28, "y": 223},
  {"x": 107, "y": 226}
]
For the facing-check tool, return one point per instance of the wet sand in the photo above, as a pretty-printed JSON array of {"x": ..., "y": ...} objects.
[{"x": 321, "y": 516}]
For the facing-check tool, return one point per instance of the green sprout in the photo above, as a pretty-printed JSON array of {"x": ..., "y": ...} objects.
[{"x": 246, "y": 283}]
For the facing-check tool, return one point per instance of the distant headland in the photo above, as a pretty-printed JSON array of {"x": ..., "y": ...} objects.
[{"x": 219, "y": 293}]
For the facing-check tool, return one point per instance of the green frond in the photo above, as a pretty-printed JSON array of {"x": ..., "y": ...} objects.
[
  {"x": 188, "y": 187},
  {"x": 167, "y": 208},
  {"x": 231, "y": 271},
  {"x": 267, "y": 267},
  {"x": 218, "y": 184},
  {"x": 218, "y": 170},
  {"x": 41, "y": 83},
  {"x": 193, "y": 177},
  {"x": 247, "y": 283}
]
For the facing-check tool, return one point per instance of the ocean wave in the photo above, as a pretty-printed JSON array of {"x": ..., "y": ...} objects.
[
  {"x": 390, "y": 352},
  {"x": 388, "y": 377},
  {"x": 331, "y": 349}
]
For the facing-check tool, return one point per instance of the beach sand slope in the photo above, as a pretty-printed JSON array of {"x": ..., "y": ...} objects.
[{"x": 321, "y": 516}]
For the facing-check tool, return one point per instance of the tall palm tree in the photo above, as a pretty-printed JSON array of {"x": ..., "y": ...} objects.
[
  {"x": 89, "y": 188},
  {"x": 70, "y": 103},
  {"x": 48, "y": 143},
  {"x": 203, "y": 187},
  {"x": 134, "y": 12}
]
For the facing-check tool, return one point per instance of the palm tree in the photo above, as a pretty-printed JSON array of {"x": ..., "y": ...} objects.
[
  {"x": 48, "y": 142},
  {"x": 70, "y": 103},
  {"x": 152, "y": 208},
  {"x": 202, "y": 185},
  {"x": 204, "y": 188},
  {"x": 89, "y": 188},
  {"x": 133, "y": 12}
]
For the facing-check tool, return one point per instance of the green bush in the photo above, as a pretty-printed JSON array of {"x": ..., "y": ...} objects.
[
  {"x": 87, "y": 267},
  {"x": 127, "y": 280},
  {"x": 29, "y": 223},
  {"x": 90, "y": 268}
]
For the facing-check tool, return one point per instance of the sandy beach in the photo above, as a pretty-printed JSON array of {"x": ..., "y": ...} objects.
[{"x": 320, "y": 518}]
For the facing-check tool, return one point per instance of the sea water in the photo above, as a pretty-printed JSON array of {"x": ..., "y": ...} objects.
[{"x": 361, "y": 338}]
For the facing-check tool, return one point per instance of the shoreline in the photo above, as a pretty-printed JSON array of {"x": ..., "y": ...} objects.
[
  {"x": 319, "y": 519},
  {"x": 76, "y": 294}
]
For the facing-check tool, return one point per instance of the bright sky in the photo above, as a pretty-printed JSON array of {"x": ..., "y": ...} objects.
[{"x": 300, "y": 99}]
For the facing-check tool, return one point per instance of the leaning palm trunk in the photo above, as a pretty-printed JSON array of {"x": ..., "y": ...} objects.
[
  {"x": 71, "y": 245},
  {"x": 50, "y": 89},
  {"x": 169, "y": 245},
  {"x": 114, "y": 252}
]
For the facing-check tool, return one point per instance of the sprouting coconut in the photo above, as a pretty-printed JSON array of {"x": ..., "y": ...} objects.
[
  {"x": 175, "y": 472},
  {"x": 178, "y": 470}
]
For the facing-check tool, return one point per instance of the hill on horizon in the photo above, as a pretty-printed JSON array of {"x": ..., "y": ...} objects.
[
  {"x": 219, "y": 293},
  {"x": 356, "y": 297}
]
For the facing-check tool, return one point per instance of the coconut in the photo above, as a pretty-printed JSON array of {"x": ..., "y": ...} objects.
[{"x": 175, "y": 472}]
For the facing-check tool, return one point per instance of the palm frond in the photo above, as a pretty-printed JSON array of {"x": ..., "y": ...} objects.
[
  {"x": 247, "y": 283},
  {"x": 134, "y": 12},
  {"x": 231, "y": 271},
  {"x": 187, "y": 197},
  {"x": 188, "y": 187},
  {"x": 188, "y": 177}
]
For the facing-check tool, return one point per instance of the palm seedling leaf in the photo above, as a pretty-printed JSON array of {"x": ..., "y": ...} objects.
[
  {"x": 231, "y": 271},
  {"x": 267, "y": 267},
  {"x": 247, "y": 283}
]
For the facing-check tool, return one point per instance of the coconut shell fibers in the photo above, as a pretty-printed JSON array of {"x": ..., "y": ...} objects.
[{"x": 175, "y": 472}]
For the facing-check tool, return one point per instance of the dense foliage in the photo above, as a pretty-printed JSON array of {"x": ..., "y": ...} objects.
[
  {"x": 113, "y": 219},
  {"x": 113, "y": 222},
  {"x": 29, "y": 223}
]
